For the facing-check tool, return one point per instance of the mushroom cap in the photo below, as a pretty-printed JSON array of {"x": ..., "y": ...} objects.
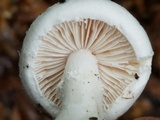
[{"x": 115, "y": 37}]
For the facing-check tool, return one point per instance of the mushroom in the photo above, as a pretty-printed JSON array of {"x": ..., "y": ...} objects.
[{"x": 85, "y": 60}]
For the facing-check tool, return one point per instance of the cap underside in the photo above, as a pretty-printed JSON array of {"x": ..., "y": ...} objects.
[{"x": 117, "y": 63}]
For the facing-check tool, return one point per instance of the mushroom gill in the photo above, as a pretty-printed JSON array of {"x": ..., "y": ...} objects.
[{"x": 116, "y": 58}]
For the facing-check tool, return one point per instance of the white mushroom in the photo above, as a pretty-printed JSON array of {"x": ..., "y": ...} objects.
[{"x": 85, "y": 59}]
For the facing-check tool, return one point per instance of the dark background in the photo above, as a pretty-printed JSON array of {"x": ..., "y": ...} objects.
[{"x": 15, "y": 18}]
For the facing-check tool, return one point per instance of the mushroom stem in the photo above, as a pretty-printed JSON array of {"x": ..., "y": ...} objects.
[{"x": 82, "y": 90}]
